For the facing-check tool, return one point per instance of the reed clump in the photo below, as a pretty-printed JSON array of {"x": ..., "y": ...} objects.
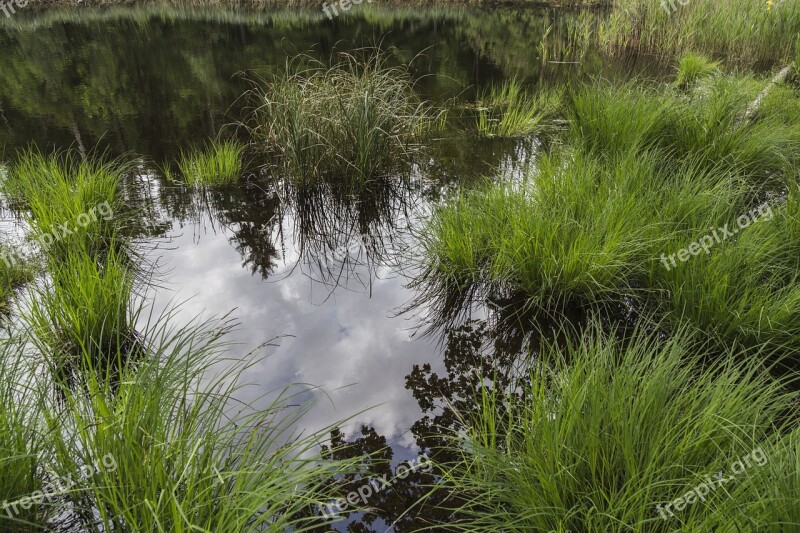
[
  {"x": 84, "y": 308},
  {"x": 693, "y": 67},
  {"x": 746, "y": 33},
  {"x": 357, "y": 120}
]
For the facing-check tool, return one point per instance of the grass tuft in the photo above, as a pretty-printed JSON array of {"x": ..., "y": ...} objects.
[
  {"x": 510, "y": 110},
  {"x": 358, "y": 119},
  {"x": 173, "y": 450},
  {"x": 693, "y": 67},
  {"x": 84, "y": 309},
  {"x": 219, "y": 164},
  {"x": 67, "y": 202},
  {"x": 610, "y": 430}
]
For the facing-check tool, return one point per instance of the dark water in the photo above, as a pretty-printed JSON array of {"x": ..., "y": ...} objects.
[{"x": 145, "y": 83}]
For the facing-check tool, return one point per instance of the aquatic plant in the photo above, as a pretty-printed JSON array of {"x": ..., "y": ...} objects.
[
  {"x": 67, "y": 201},
  {"x": 356, "y": 120},
  {"x": 510, "y": 109},
  {"x": 583, "y": 231},
  {"x": 746, "y": 32},
  {"x": 148, "y": 412},
  {"x": 646, "y": 174},
  {"x": 172, "y": 450},
  {"x": 746, "y": 291},
  {"x": 693, "y": 67},
  {"x": 219, "y": 164},
  {"x": 706, "y": 124},
  {"x": 611, "y": 432},
  {"x": 84, "y": 308},
  {"x": 159, "y": 443},
  {"x": 22, "y": 439}
]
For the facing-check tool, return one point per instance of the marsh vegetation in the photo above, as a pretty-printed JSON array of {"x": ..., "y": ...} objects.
[{"x": 554, "y": 223}]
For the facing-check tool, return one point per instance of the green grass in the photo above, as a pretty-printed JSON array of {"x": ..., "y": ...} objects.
[
  {"x": 356, "y": 120},
  {"x": 583, "y": 231},
  {"x": 511, "y": 110},
  {"x": 797, "y": 55},
  {"x": 745, "y": 33},
  {"x": 704, "y": 123},
  {"x": 169, "y": 447},
  {"x": 693, "y": 67},
  {"x": 68, "y": 202},
  {"x": 22, "y": 438},
  {"x": 84, "y": 308},
  {"x": 609, "y": 430},
  {"x": 645, "y": 174},
  {"x": 769, "y": 498},
  {"x": 219, "y": 164},
  {"x": 15, "y": 270},
  {"x": 746, "y": 291},
  {"x": 155, "y": 412},
  {"x": 185, "y": 455}
]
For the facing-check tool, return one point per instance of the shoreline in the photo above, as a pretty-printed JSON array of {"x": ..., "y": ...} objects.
[{"x": 33, "y": 7}]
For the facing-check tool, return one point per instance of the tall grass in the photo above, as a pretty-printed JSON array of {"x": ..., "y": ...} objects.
[
  {"x": 768, "y": 498},
  {"x": 185, "y": 455},
  {"x": 646, "y": 174},
  {"x": 163, "y": 445},
  {"x": 609, "y": 430},
  {"x": 219, "y": 164},
  {"x": 745, "y": 32},
  {"x": 704, "y": 123},
  {"x": 746, "y": 290},
  {"x": 511, "y": 110},
  {"x": 157, "y": 437},
  {"x": 583, "y": 230},
  {"x": 358, "y": 119},
  {"x": 68, "y": 202},
  {"x": 22, "y": 439},
  {"x": 84, "y": 308}
]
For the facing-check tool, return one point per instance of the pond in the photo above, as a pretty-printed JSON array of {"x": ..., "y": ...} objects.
[{"x": 318, "y": 279}]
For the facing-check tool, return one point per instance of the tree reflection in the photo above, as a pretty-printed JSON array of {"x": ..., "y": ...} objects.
[{"x": 476, "y": 359}]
